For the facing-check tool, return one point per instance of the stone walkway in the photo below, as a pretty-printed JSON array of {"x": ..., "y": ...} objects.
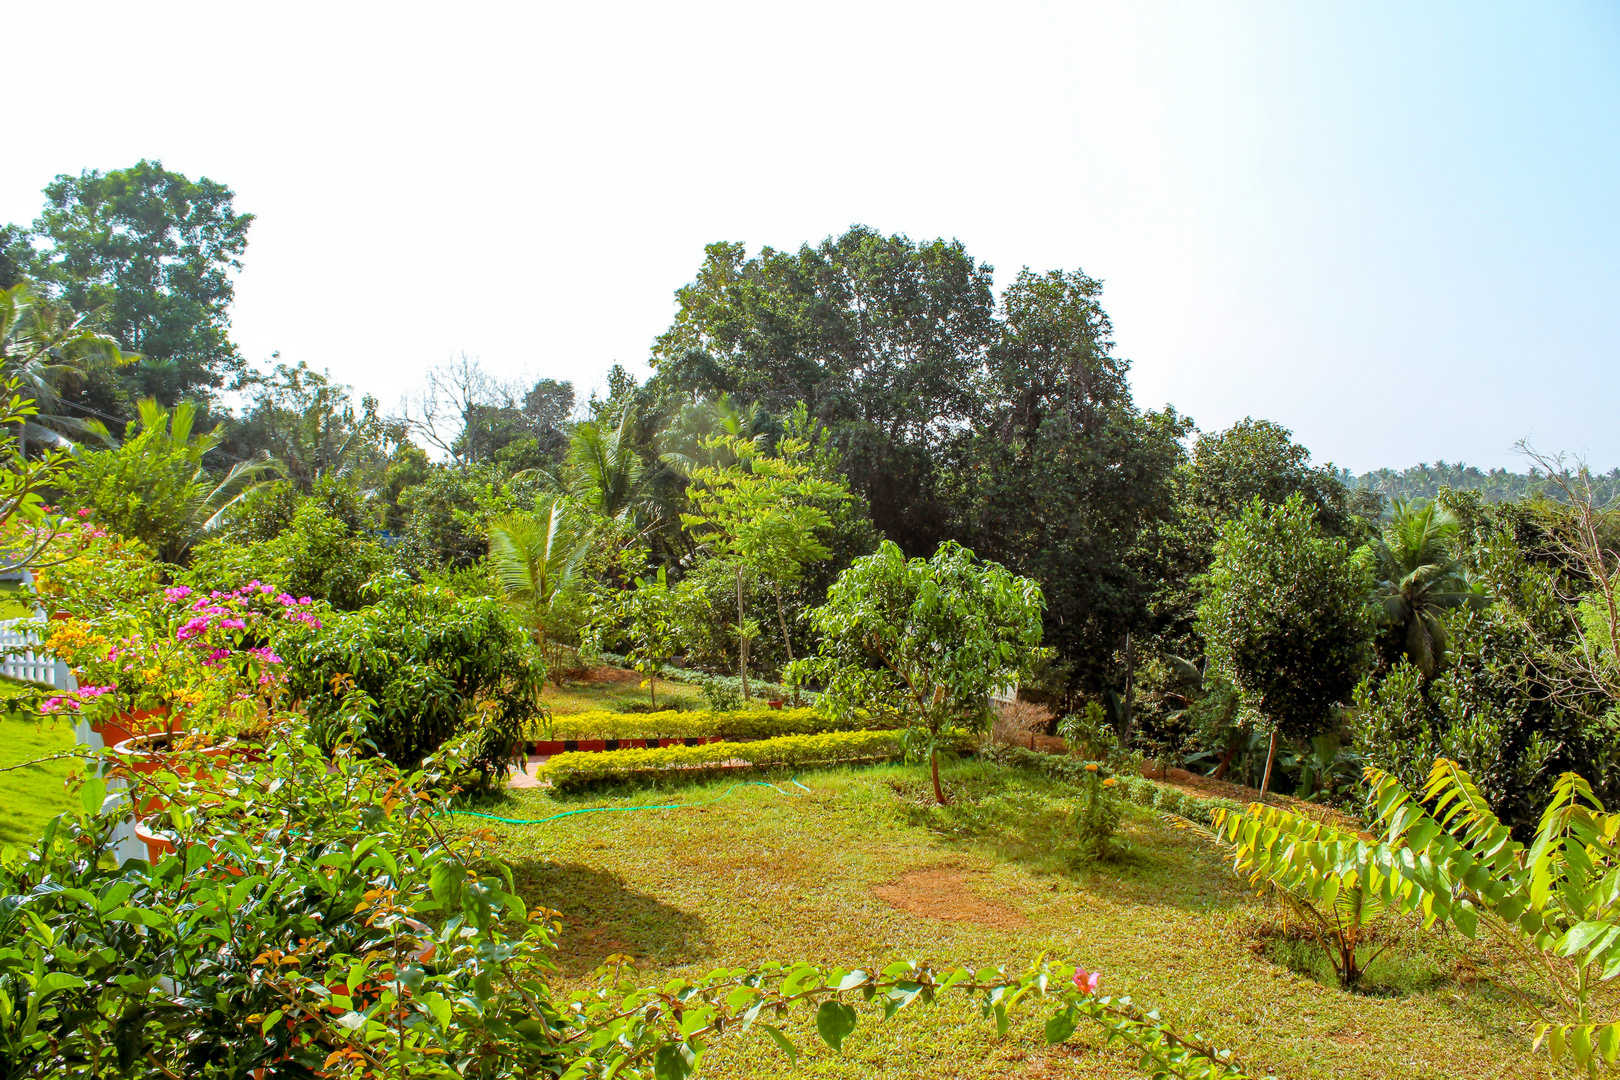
[{"x": 524, "y": 777}]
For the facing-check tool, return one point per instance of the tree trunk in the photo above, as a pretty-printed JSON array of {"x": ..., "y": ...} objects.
[
  {"x": 933, "y": 768},
  {"x": 652, "y": 689},
  {"x": 1226, "y": 760},
  {"x": 1271, "y": 756},
  {"x": 1130, "y": 680},
  {"x": 742, "y": 638},
  {"x": 787, "y": 639}
]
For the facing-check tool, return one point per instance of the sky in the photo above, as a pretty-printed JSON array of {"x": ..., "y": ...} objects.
[{"x": 1391, "y": 227}]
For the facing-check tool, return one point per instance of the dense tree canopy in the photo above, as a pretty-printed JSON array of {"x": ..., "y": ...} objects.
[{"x": 148, "y": 254}]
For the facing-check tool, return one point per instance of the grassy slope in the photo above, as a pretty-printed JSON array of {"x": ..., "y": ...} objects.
[
  {"x": 30, "y": 797},
  {"x": 759, "y": 876},
  {"x": 618, "y": 695}
]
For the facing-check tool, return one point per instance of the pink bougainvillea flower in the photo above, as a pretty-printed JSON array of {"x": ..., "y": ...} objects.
[
  {"x": 84, "y": 512},
  {"x": 177, "y": 593},
  {"x": 1086, "y": 981},
  {"x": 231, "y": 624},
  {"x": 305, "y": 601}
]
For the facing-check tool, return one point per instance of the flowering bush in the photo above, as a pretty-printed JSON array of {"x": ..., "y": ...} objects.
[
  {"x": 88, "y": 571},
  {"x": 211, "y": 656}
]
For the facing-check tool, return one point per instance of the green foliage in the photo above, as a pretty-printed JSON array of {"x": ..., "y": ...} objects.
[
  {"x": 580, "y": 770},
  {"x": 49, "y": 351},
  {"x": 310, "y": 424},
  {"x": 757, "y": 723},
  {"x": 318, "y": 554},
  {"x": 929, "y": 640},
  {"x": 1418, "y": 576},
  {"x": 1134, "y": 789},
  {"x": 1340, "y": 911},
  {"x": 758, "y": 519},
  {"x": 155, "y": 487},
  {"x": 642, "y": 621},
  {"x": 150, "y": 253},
  {"x": 535, "y": 559},
  {"x": 1446, "y": 857},
  {"x": 433, "y": 665},
  {"x": 1283, "y": 618}
]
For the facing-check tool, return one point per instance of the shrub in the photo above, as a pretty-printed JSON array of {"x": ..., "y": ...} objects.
[
  {"x": 1018, "y": 722},
  {"x": 1134, "y": 789},
  {"x": 435, "y": 665},
  {"x": 722, "y": 695},
  {"x": 575, "y": 771},
  {"x": 684, "y": 724}
]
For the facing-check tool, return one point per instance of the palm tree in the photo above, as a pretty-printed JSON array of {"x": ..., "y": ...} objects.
[
  {"x": 535, "y": 558},
  {"x": 1419, "y": 577},
  {"x": 155, "y": 487},
  {"x": 43, "y": 346},
  {"x": 606, "y": 473}
]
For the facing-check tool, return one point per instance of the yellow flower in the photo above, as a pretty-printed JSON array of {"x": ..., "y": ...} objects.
[{"x": 1091, "y": 766}]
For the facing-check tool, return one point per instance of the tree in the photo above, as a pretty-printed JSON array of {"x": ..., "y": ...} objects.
[
  {"x": 26, "y": 529},
  {"x": 643, "y": 621},
  {"x": 149, "y": 254},
  {"x": 309, "y": 423},
  {"x": 45, "y": 348},
  {"x": 535, "y": 560},
  {"x": 758, "y": 519},
  {"x": 155, "y": 487},
  {"x": 883, "y": 337},
  {"x": 1062, "y": 478},
  {"x": 928, "y": 639},
  {"x": 1417, "y": 577},
  {"x": 1283, "y": 620}
]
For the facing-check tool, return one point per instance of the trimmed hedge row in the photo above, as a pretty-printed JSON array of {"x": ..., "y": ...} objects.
[
  {"x": 576, "y": 771},
  {"x": 757, "y": 723},
  {"x": 759, "y": 687},
  {"x": 1136, "y": 789}
]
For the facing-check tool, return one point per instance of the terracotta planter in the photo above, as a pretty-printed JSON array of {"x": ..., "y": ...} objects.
[
  {"x": 157, "y": 844},
  {"x": 60, "y": 616},
  {"x": 121, "y": 726},
  {"x": 776, "y": 703}
]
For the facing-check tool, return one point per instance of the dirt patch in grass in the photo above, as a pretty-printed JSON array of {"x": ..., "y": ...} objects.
[{"x": 943, "y": 892}]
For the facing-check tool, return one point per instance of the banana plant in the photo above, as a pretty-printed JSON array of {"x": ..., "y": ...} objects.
[{"x": 1445, "y": 857}]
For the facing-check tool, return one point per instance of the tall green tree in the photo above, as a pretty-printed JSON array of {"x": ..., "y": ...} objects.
[
  {"x": 930, "y": 639},
  {"x": 1418, "y": 576},
  {"x": 1284, "y": 620},
  {"x": 47, "y": 349},
  {"x": 1062, "y": 478},
  {"x": 148, "y": 254},
  {"x": 758, "y": 519},
  {"x": 311, "y": 424},
  {"x": 884, "y": 338}
]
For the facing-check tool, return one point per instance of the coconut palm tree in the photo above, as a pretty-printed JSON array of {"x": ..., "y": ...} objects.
[
  {"x": 43, "y": 346},
  {"x": 605, "y": 473},
  {"x": 535, "y": 558},
  {"x": 1418, "y": 577}
]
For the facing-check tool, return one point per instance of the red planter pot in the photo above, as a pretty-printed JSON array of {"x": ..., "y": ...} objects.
[{"x": 121, "y": 726}]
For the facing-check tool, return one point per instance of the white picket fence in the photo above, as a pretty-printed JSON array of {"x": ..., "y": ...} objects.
[{"x": 21, "y": 659}]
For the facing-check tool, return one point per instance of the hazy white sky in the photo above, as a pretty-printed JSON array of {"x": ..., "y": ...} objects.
[{"x": 1392, "y": 227}]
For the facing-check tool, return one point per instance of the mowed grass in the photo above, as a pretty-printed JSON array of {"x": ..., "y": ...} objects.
[
  {"x": 30, "y": 797},
  {"x": 617, "y": 690},
  {"x": 861, "y": 870}
]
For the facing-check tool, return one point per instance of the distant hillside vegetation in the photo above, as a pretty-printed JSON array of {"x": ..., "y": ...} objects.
[{"x": 1497, "y": 485}]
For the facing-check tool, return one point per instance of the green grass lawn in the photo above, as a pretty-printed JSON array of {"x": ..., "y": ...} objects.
[
  {"x": 618, "y": 691},
  {"x": 862, "y": 869},
  {"x": 30, "y": 797},
  {"x": 13, "y": 603}
]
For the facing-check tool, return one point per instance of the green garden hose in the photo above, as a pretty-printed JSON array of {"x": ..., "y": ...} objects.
[{"x": 623, "y": 809}]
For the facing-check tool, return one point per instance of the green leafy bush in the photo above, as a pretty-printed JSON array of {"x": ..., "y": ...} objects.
[
  {"x": 684, "y": 724},
  {"x": 1133, "y": 789},
  {"x": 434, "y": 665},
  {"x": 576, "y": 771}
]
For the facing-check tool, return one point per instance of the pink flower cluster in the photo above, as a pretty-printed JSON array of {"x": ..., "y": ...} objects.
[
  {"x": 74, "y": 698},
  {"x": 1086, "y": 981}
]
